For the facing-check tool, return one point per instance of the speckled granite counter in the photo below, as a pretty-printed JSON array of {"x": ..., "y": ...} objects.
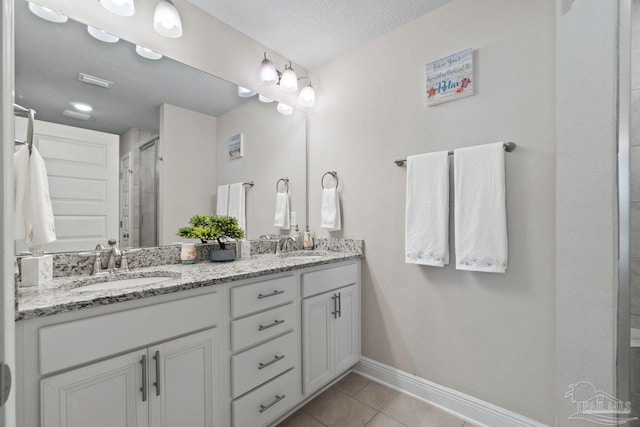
[{"x": 66, "y": 293}]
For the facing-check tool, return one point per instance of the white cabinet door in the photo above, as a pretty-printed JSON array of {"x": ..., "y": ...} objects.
[
  {"x": 183, "y": 383},
  {"x": 104, "y": 394},
  {"x": 347, "y": 329},
  {"x": 317, "y": 346}
]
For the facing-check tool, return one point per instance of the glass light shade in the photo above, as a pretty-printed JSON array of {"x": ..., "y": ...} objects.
[
  {"x": 102, "y": 35},
  {"x": 80, "y": 106},
  {"x": 119, "y": 7},
  {"x": 285, "y": 109},
  {"x": 289, "y": 80},
  {"x": 147, "y": 53},
  {"x": 243, "y": 92},
  {"x": 166, "y": 20},
  {"x": 47, "y": 14},
  {"x": 307, "y": 96},
  {"x": 264, "y": 99},
  {"x": 268, "y": 72}
]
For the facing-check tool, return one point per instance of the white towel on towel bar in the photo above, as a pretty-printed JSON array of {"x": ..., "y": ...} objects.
[
  {"x": 237, "y": 204},
  {"x": 427, "y": 211},
  {"x": 282, "y": 216},
  {"x": 222, "y": 204},
  {"x": 480, "y": 208},
  {"x": 33, "y": 216},
  {"x": 330, "y": 210}
]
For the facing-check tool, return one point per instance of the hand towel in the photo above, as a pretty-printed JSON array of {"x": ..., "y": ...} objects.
[
  {"x": 20, "y": 183},
  {"x": 40, "y": 223},
  {"x": 282, "y": 215},
  {"x": 480, "y": 209},
  {"x": 222, "y": 204},
  {"x": 427, "y": 211},
  {"x": 330, "y": 211},
  {"x": 237, "y": 204}
]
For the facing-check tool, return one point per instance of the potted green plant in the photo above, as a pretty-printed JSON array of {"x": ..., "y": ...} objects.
[{"x": 214, "y": 227}]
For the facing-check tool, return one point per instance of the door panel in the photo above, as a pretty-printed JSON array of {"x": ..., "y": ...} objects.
[
  {"x": 346, "y": 329},
  {"x": 317, "y": 346}
]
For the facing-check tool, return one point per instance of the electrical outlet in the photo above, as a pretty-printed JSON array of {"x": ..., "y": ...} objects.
[{"x": 294, "y": 219}]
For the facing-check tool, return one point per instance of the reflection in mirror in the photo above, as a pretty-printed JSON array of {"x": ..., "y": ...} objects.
[{"x": 134, "y": 147}]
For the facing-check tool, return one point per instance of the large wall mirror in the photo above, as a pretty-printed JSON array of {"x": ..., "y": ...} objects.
[{"x": 155, "y": 145}]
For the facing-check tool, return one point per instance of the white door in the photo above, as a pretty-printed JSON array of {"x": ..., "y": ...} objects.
[
  {"x": 317, "y": 319},
  {"x": 126, "y": 172},
  {"x": 346, "y": 329},
  {"x": 104, "y": 394},
  {"x": 82, "y": 167},
  {"x": 183, "y": 381}
]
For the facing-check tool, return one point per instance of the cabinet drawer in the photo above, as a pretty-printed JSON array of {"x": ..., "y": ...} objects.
[
  {"x": 264, "y": 405},
  {"x": 262, "y": 295},
  {"x": 253, "y": 367},
  {"x": 317, "y": 282},
  {"x": 80, "y": 341},
  {"x": 262, "y": 326}
]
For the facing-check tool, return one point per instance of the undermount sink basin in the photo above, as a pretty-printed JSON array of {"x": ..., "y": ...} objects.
[
  {"x": 123, "y": 281},
  {"x": 305, "y": 255}
]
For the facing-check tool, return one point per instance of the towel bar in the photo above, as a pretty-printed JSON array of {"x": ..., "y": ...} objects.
[
  {"x": 286, "y": 183},
  {"x": 508, "y": 147},
  {"x": 332, "y": 173}
]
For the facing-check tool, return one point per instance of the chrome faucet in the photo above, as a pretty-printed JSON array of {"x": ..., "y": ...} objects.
[
  {"x": 284, "y": 245},
  {"x": 114, "y": 253}
]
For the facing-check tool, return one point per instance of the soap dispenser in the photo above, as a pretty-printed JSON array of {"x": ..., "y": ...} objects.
[{"x": 297, "y": 235}]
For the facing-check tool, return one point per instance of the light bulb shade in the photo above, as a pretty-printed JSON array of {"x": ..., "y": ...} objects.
[
  {"x": 243, "y": 92},
  {"x": 289, "y": 80},
  {"x": 47, "y": 14},
  {"x": 285, "y": 109},
  {"x": 268, "y": 73},
  {"x": 119, "y": 7},
  {"x": 264, "y": 99},
  {"x": 102, "y": 35},
  {"x": 147, "y": 53},
  {"x": 166, "y": 20},
  {"x": 307, "y": 96}
]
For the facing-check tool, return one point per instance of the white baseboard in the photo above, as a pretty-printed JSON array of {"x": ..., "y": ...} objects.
[{"x": 469, "y": 408}]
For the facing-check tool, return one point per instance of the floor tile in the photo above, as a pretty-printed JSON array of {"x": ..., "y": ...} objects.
[
  {"x": 404, "y": 408},
  {"x": 382, "y": 420},
  {"x": 351, "y": 384},
  {"x": 300, "y": 419},
  {"x": 335, "y": 409}
]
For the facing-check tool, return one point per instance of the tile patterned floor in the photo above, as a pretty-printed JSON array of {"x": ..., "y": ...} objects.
[{"x": 357, "y": 402}]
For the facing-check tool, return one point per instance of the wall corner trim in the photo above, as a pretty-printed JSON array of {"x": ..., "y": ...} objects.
[{"x": 459, "y": 404}]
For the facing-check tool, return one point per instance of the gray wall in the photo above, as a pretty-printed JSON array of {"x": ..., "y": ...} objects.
[
  {"x": 487, "y": 335},
  {"x": 635, "y": 164}
]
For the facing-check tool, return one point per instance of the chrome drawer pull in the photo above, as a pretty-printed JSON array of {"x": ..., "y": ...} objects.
[
  {"x": 270, "y": 325},
  {"x": 157, "y": 383},
  {"x": 275, "y": 359},
  {"x": 278, "y": 398},
  {"x": 272, "y": 294}
]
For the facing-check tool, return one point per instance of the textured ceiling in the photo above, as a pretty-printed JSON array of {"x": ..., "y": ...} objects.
[
  {"x": 49, "y": 57},
  {"x": 311, "y": 32}
]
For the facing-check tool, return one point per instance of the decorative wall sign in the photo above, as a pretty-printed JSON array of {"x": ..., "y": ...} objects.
[
  {"x": 236, "y": 146},
  {"x": 450, "y": 78}
]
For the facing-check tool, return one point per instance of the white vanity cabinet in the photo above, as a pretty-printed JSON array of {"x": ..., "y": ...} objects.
[
  {"x": 331, "y": 324},
  {"x": 171, "y": 384}
]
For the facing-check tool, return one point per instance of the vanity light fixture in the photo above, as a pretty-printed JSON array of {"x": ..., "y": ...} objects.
[
  {"x": 147, "y": 53},
  {"x": 289, "y": 79},
  {"x": 119, "y": 7},
  {"x": 307, "y": 97},
  {"x": 268, "y": 72},
  {"x": 81, "y": 106},
  {"x": 102, "y": 35},
  {"x": 166, "y": 20},
  {"x": 264, "y": 99},
  {"x": 47, "y": 14},
  {"x": 285, "y": 109},
  {"x": 243, "y": 92}
]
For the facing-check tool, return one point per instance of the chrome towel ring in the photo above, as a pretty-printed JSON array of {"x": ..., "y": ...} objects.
[
  {"x": 286, "y": 183},
  {"x": 332, "y": 173}
]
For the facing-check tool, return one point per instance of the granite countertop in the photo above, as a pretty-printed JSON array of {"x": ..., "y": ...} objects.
[{"x": 67, "y": 294}]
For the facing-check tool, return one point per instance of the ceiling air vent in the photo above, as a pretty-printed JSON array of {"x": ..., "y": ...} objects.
[{"x": 86, "y": 78}]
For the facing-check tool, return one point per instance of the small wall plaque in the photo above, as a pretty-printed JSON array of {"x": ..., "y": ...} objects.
[
  {"x": 450, "y": 78},
  {"x": 236, "y": 146}
]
